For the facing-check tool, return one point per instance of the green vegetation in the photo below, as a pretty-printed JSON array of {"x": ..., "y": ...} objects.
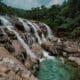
[{"x": 63, "y": 19}]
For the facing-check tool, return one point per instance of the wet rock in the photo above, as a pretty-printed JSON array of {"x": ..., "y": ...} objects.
[
  {"x": 9, "y": 47},
  {"x": 37, "y": 50},
  {"x": 16, "y": 23},
  {"x": 48, "y": 46},
  {"x": 19, "y": 26},
  {"x": 10, "y": 34}
]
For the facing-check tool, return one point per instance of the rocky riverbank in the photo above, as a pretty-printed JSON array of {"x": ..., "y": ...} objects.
[{"x": 22, "y": 43}]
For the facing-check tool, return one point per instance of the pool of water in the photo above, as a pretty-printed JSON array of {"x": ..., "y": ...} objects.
[{"x": 55, "y": 70}]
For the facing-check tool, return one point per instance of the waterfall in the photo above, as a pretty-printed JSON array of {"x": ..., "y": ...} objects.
[
  {"x": 37, "y": 28},
  {"x": 25, "y": 46},
  {"x": 46, "y": 55},
  {"x": 49, "y": 30},
  {"x": 9, "y": 26},
  {"x": 43, "y": 37},
  {"x": 36, "y": 33},
  {"x": 27, "y": 28},
  {"x": 4, "y": 21}
]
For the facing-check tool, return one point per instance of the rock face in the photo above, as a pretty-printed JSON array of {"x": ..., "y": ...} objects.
[{"x": 12, "y": 69}]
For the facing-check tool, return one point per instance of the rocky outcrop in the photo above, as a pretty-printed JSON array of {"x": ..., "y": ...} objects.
[
  {"x": 50, "y": 47},
  {"x": 11, "y": 68}
]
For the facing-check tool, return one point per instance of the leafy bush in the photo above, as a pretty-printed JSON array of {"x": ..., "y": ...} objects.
[{"x": 75, "y": 32}]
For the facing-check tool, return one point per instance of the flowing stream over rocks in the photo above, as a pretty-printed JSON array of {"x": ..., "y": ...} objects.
[{"x": 30, "y": 51}]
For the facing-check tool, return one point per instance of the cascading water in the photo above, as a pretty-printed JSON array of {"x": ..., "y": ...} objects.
[
  {"x": 27, "y": 28},
  {"x": 11, "y": 28},
  {"x": 37, "y": 27},
  {"x": 43, "y": 38},
  {"x": 25, "y": 46},
  {"x": 36, "y": 33},
  {"x": 49, "y": 30},
  {"x": 4, "y": 21}
]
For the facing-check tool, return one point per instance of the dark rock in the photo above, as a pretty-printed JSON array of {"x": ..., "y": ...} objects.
[
  {"x": 9, "y": 47},
  {"x": 19, "y": 26},
  {"x": 50, "y": 48},
  {"x": 1, "y": 33},
  {"x": 3, "y": 39}
]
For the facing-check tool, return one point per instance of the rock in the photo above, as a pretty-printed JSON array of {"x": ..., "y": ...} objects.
[
  {"x": 75, "y": 59},
  {"x": 12, "y": 69},
  {"x": 19, "y": 26},
  {"x": 9, "y": 47},
  {"x": 3, "y": 39},
  {"x": 37, "y": 50},
  {"x": 68, "y": 47},
  {"x": 32, "y": 65},
  {"x": 48, "y": 46},
  {"x": 20, "y": 52},
  {"x": 10, "y": 34},
  {"x": 3, "y": 69}
]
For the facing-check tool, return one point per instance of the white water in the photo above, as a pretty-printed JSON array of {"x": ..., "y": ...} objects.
[
  {"x": 25, "y": 46},
  {"x": 43, "y": 37},
  {"x": 9, "y": 26},
  {"x": 46, "y": 56},
  {"x": 36, "y": 33},
  {"x": 4, "y": 21},
  {"x": 49, "y": 30},
  {"x": 37, "y": 28},
  {"x": 27, "y": 28}
]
